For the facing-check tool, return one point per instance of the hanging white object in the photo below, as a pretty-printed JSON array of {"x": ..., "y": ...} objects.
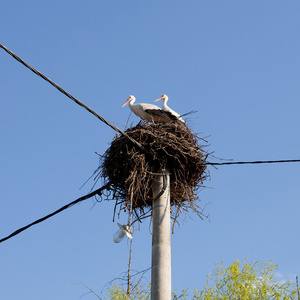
[{"x": 121, "y": 233}]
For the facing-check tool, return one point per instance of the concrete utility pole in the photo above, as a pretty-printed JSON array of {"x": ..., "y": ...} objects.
[{"x": 161, "y": 241}]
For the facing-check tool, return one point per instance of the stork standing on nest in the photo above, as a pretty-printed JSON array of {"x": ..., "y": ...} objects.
[
  {"x": 149, "y": 112},
  {"x": 166, "y": 108}
]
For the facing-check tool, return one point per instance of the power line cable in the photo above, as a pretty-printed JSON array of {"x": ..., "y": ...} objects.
[
  {"x": 114, "y": 127},
  {"x": 99, "y": 191},
  {"x": 72, "y": 98},
  {"x": 96, "y": 192},
  {"x": 253, "y": 162}
]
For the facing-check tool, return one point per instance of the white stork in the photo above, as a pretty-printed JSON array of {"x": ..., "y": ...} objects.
[
  {"x": 148, "y": 112},
  {"x": 166, "y": 108}
]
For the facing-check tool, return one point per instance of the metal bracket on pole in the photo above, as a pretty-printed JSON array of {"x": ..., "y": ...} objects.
[{"x": 164, "y": 186}]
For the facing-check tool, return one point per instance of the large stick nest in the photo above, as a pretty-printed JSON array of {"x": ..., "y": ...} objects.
[{"x": 131, "y": 171}]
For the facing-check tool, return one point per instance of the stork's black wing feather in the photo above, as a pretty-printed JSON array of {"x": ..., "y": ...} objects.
[{"x": 160, "y": 112}]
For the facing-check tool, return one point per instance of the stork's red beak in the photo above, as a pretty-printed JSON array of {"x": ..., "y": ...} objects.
[
  {"x": 126, "y": 102},
  {"x": 159, "y": 99}
]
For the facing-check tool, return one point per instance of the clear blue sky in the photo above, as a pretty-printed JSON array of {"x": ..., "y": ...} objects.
[{"x": 236, "y": 62}]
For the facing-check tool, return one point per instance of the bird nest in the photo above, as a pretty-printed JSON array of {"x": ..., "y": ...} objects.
[{"x": 131, "y": 171}]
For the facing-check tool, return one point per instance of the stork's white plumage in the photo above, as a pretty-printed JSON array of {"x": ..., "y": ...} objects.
[
  {"x": 148, "y": 112},
  {"x": 166, "y": 108}
]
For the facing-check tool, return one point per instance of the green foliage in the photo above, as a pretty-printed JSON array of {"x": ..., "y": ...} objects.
[
  {"x": 182, "y": 296},
  {"x": 117, "y": 292},
  {"x": 250, "y": 281}
]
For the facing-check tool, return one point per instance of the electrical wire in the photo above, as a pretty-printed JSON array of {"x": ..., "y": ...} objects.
[
  {"x": 114, "y": 127},
  {"x": 99, "y": 191},
  {"x": 72, "y": 98},
  {"x": 94, "y": 193},
  {"x": 163, "y": 187},
  {"x": 253, "y": 162}
]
